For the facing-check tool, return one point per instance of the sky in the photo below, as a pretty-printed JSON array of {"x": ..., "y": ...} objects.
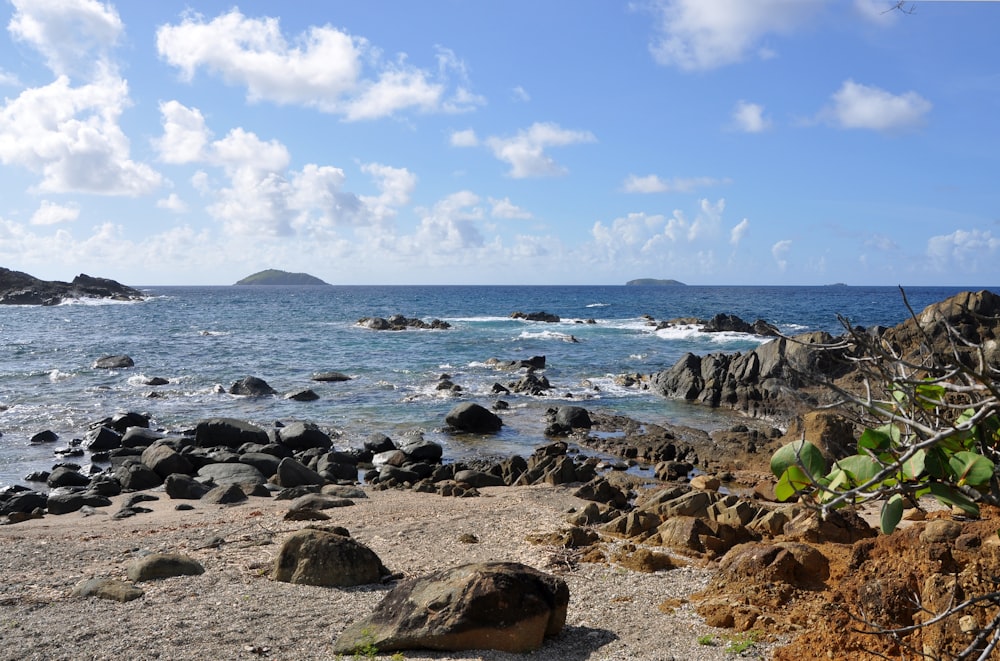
[{"x": 715, "y": 142}]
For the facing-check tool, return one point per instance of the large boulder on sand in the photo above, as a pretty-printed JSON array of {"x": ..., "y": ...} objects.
[
  {"x": 322, "y": 557},
  {"x": 470, "y": 417},
  {"x": 503, "y": 606}
]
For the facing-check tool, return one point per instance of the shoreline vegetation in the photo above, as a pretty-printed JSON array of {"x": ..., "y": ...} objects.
[{"x": 699, "y": 560}]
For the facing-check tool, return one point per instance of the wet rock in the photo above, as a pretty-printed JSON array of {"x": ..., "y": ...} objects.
[
  {"x": 473, "y": 418},
  {"x": 252, "y": 386},
  {"x": 114, "y": 362}
]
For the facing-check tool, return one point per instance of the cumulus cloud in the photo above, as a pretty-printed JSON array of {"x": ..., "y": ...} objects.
[
  {"x": 506, "y": 209},
  {"x": 448, "y": 231},
  {"x": 50, "y": 213},
  {"x": 737, "y": 233},
  {"x": 395, "y": 185},
  {"x": 525, "y": 152},
  {"x": 779, "y": 251},
  {"x": 963, "y": 250},
  {"x": 654, "y": 184},
  {"x": 749, "y": 118},
  {"x": 466, "y": 138},
  {"x": 857, "y": 106},
  {"x": 696, "y": 35},
  {"x": 71, "y": 137},
  {"x": 172, "y": 203},
  {"x": 521, "y": 94},
  {"x": 184, "y": 134},
  {"x": 74, "y": 36},
  {"x": 323, "y": 68}
]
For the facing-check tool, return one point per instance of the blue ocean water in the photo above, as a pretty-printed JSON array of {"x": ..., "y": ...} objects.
[{"x": 202, "y": 339}]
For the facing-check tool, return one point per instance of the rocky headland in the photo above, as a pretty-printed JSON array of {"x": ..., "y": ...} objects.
[
  {"x": 588, "y": 544},
  {"x": 17, "y": 288}
]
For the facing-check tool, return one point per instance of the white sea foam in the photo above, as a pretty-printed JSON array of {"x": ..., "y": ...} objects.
[
  {"x": 547, "y": 335},
  {"x": 211, "y": 333},
  {"x": 599, "y": 305},
  {"x": 96, "y": 301},
  {"x": 55, "y": 376}
]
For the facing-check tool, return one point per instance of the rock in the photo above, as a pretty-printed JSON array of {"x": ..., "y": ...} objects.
[
  {"x": 536, "y": 316},
  {"x": 225, "y": 494},
  {"x": 320, "y": 557},
  {"x": 106, "y": 588},
  {"x": 478, "y": 479},
  {"x": 64, "y": 476},
  {"x": 266, "y": 463},
  {"x": 473, "y": 418},
  {"x": 318, "y": 501},
  {"x": 17, "y": 288},
  {"x": 292, "y": 473},
  {"x": 231, "y": 473},
  {"x": 136, "y": 476},
  {"x": 163, "y": 565},
  {"x": 228, "y": 432},
  {"x": 103, "y": 438},
  {"x": 530, "y": 384},
  {"x": 303, "y": 395},
  {"x": 114, "y": 362},
  {"x": 184, "y": 487},
  {"x": 705, "y": 482},
  {"x": 304, "y": 435},
  {"x": 46, "y": 436},
  {"x": 498, "y": 606},
  {"x": 23, "y": 502},
  {"x": 252, "y": 386},
  {"x": 419, "y": 449},
  {"x": 164, "y": 460},
  {"x": 330, "y": 377},
  {"x": 140, "y": 437}
]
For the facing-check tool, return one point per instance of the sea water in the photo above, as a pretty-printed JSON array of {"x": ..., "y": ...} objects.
[{"x": 202, "y": 339}]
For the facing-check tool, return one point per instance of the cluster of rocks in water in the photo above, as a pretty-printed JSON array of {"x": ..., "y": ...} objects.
[
  {"x": 398, "y": 322},
  {"x": 17, "y": 288}
]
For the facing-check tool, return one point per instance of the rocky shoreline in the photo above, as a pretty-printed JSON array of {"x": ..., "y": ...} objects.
[
  {"x": 768, "y": 572},
  {"x": 17, "y": 288}
]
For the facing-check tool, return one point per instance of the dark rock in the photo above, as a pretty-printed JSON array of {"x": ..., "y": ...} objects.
[
  {"x": 530, "y": 384},
  {"x": 114, "y": 362},
  {"x": 377, "y": 443},
  {"x": 321, "y": 557},
  {"x": 140, "y": 437},
  {"x": 17, "y": 288},
  {"x": 103, "y": 438},
  {"x": 47, "y": 436},
  {"x": 331, "y": 377},
  {"x": 473, "y": 418},
  {"x": 319, "y": 501},
  {"x": 535, "y": 316},
  {"x": 228, "y": 432},
  {"x": 418, "y": 449},
  {"x": 304, "y": 395},
  {"x": 292, "y": 473},
  {"x": 164, "y": 460},
  {"x": 234, "y": 473},
  {"x": 163, "y": 565},
  {"x": 64, "y": 502},
  {"x": 67, "y": 477},
  {"x": 252, "y": 386},
  {"x": 136, "y": 476},
  {"x": 225, "y": 494},
  {"x": 501, "y": 606},
  {"x": 184, "y": 487},
  {"x": 478, "y": 479},
  {"x": 23, "y": 501},
  {"x": 266, "y": 463},
  {"x": 121, "y": 422},
  {"x": 303, "y": 436}
]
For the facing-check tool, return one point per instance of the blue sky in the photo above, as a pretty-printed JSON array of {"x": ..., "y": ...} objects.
[{"x": 462, "y": 142}]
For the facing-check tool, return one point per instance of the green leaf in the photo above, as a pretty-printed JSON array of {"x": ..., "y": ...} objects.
[
  {"x": 936, "y": 463},
  {"x": 792, "y": 482},
  {"x": 971, "y": 468},
  {"x": 952, "y": 497},
  {"x": 795, "y": 452},
  {"x": 929, "y": 395},
  {"x": 860, "y": 467},
  {"x": 913, "y": 467},
  {"x": 874, "y": 440},
  {"x": 892, "y": 513}
]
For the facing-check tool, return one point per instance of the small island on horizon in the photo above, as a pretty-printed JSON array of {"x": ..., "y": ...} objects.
[
  {"x": 278, "y": 277},
  {"x": 654, "y": 282}
]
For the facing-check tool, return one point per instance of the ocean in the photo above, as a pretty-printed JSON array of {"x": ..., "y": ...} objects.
[{"x": 202, "y": 339}]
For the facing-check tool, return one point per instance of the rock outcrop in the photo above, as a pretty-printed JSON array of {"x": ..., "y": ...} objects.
[{"x": 17, "y": 288}]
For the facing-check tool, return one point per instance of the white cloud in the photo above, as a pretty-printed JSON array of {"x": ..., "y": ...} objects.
[
  {"x": 74, "y": 36},
  {"x": 70, "y": 135},
  {"x": 50, "y": 213},
  {"x": 448, "y": 231},
  {"x": 881, "y": 242},
  {"x": 395, "y": 185},
  {"x": 506, "y": 209},
  {"x": 706, "y": 224},
  {"x": 525, "y": 152},
  {"x": 654, "y": 184},
  {"x": 8, "y": 78},
  {"x": 322, "y": 68},
  {"x": 749, "y": 118},
  {"x": 738, "y": 232},
  {"x": 172, "y": 203},
  {"x": 779, "y": 251},
  {"x": 963, "y": 250},
  {"x": 696, "y": 34},
  {"x": 466, "y": 138},
  {"x": 857, "y": 106},
  {"x": 184, "y": 134},
  {"x": 521, "y": 94}
]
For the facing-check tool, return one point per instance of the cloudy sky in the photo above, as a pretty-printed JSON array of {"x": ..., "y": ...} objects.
[{"x": 514, "y": 142}]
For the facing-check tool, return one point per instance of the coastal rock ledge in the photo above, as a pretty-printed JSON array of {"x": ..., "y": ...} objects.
[{"x": 17, "y": 288}]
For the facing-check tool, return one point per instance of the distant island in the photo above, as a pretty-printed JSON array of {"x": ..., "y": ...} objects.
[
  {"x": 276, "y": 277},
  {"x": 654, "y": 282}
]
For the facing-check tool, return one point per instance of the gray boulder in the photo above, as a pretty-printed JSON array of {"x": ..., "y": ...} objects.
[
  {"x": 321, "y": 557},
  {"x": 114, "y": 362},
  {"x": 229, "y": 432},
  {"x": 303, "y": 436},
  {"x": 252, "y": 386},
  {"x": 330, "y": 377},
  {"x": 163, "y": 565},
  {"x": 473, "y": 418},
  {"x": 231, "y": 473},
  {"x": 164, "y": 460},
  {"x": 502, "y": 606},
  {"x": 106, "y": 588},
  {"x": 292, "y": 473},
  {"x": 184, "y": 487}
]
